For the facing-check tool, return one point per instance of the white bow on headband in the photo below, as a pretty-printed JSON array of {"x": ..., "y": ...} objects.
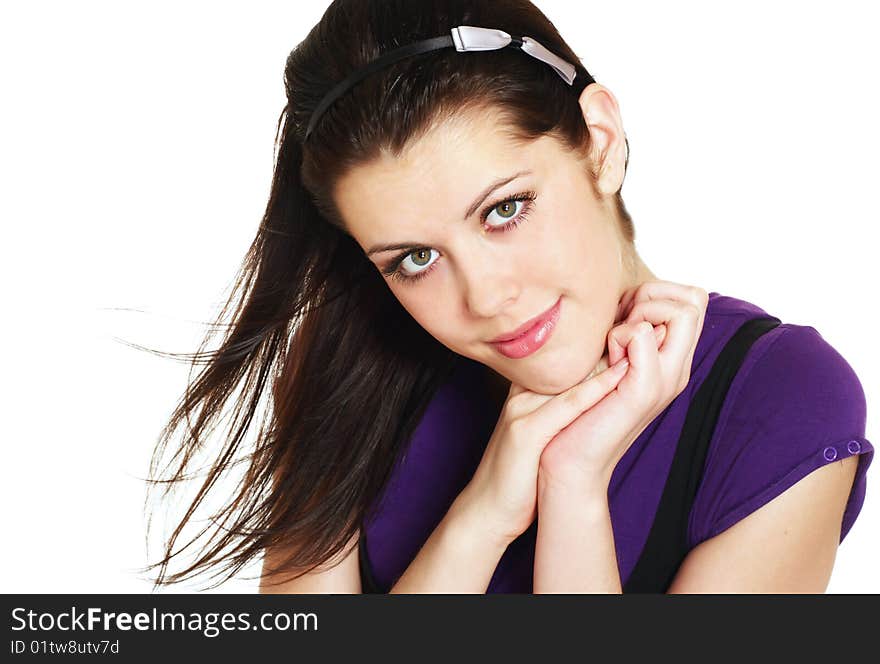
[{"x": 470, "y": 38}]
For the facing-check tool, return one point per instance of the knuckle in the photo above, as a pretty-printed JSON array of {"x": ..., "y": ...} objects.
[
  {"x": 508, "y": 410},
  {"x": 517, "y": 428},
  {"x": 515, "y": 405},
  {"x": 638, "y": 309},
  {"x": 699, "y": 297}
]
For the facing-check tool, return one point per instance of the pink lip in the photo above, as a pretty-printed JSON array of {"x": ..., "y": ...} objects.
[
  {"x": 525, "y": 327},
  {"x": 532, "y": 335}
]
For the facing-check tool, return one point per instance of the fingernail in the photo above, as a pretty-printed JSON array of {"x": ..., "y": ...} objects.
[{"x": 621, "y": 365}]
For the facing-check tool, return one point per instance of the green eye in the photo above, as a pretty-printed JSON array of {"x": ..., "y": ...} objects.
[
  {"x": 425, "y": 256},
  {"x": 509, "y": 208}
]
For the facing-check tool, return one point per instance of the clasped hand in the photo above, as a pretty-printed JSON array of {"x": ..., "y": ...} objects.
[
  {"x": 573, "y": 440},
  {"x": 658, "y": 336}
]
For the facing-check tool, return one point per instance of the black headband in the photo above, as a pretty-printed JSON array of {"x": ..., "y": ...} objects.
[{"x": 463, "y": 38}]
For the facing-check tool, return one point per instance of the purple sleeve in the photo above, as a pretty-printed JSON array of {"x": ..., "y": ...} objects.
[{"x": 794, "y": 406}]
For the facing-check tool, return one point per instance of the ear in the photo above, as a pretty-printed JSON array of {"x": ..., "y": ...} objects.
[{"x": 608, "y": 142}]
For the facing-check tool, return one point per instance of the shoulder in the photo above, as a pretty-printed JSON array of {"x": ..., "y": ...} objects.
[
  {"x": 797, "y": 535},
  {"x": 794, "y": 380},
  {"x": 794, "y": 406}
]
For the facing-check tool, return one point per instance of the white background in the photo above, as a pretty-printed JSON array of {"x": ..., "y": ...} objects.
[{"x": 136, "y": 156}]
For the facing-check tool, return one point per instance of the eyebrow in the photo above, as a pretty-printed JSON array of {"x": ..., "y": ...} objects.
[{"x": 379, "y": 248}]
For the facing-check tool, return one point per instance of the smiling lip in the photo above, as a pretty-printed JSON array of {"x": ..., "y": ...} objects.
[
  {"x": 525, "y": 327},
  {"x": 537, "y": 331}
]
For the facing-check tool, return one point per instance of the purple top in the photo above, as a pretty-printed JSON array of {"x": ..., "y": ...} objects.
[{"x": 794, "y": 405}]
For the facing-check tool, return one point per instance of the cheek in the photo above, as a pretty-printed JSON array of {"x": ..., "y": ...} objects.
[
  {"x": 590, "y": 254},
  {"x": 564, "y": 242},
  {"x": 430, "y": 309}
]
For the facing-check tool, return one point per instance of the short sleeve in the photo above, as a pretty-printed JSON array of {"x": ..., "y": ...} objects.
[{"x": 794, "y": 405}]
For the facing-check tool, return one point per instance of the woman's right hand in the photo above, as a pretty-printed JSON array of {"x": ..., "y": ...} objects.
[{"x": 504, "y": 486}]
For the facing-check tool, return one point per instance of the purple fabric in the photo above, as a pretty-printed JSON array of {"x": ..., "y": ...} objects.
[{"x": 794, "y": 405}]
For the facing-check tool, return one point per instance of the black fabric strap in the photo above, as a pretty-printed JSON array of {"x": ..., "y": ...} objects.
[
  {"x": 666, "y": 546},
  {"x": 368, "y": 581}
]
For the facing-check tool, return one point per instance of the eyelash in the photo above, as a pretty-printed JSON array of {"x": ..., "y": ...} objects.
[{"x": 526, "y": 197}]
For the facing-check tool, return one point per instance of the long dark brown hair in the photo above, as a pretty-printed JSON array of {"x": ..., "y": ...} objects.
[{"x": 350, "y": 371}]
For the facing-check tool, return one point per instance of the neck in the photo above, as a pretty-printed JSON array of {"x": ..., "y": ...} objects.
[{"x": 636, "y": 273}]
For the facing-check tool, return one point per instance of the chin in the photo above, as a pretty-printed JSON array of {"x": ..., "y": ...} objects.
[
  {"x": 552, "y": 387},
  {"x": 558, "y": 381}
]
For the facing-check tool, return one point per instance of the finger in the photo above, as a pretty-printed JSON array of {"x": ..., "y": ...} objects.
[
  {"x": 657, "y": 311},
  {"x": 620, "y": 336},
  {"x": 660, "y": 331},
  {"x": 546, "y": 421},
  {"x": 682, "y": 334},
  {"x": 645, "y": 371},
  {"x": 521, "y": 401},
  {"x": 680, "y": 318},
  {"x": 657, "y": 290},
  {"x": 668, "y": 290}
]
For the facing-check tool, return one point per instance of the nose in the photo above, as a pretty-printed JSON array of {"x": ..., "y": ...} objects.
[{"x": 490, "y": 285}]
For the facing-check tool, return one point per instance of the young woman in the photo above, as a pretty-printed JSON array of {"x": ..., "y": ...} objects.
[{"x": 475, "y": 382}]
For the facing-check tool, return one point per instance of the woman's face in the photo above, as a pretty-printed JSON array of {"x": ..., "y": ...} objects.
[{"x": 473, "y": 279}]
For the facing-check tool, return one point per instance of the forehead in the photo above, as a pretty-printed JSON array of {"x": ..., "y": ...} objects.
[{"x": 435, "y": 178}]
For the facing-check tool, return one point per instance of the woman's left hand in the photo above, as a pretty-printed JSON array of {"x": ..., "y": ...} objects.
[{"x": 585, "y": 453}]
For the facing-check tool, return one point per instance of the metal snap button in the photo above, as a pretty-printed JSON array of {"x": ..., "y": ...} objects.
[
  {"x": 854, "y": 447},
  {"x": 830, "y": 454}
]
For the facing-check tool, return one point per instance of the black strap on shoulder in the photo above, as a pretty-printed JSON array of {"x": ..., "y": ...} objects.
[
  {"x": 368, "y": 580},
  {"x": 666, "y": 545}
]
